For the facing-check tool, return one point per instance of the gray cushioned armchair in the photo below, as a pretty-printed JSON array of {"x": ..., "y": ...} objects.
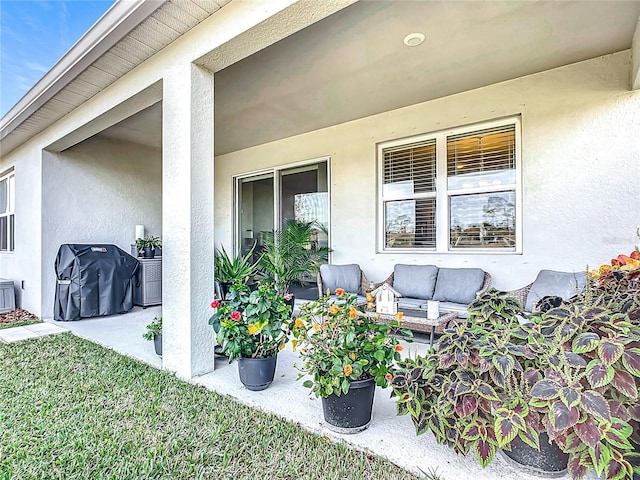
[{"x": 349, "y": 277}]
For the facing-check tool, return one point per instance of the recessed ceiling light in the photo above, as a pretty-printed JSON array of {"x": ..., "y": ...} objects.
[{"x": 413, "y": 39}]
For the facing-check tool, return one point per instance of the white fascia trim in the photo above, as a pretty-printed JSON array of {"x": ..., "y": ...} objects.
[{"x": 113, "y": 26}]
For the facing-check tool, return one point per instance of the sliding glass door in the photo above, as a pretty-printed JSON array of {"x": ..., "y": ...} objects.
[
  {"x": 264, "y": 200},
  {"x": 255, "y": 210}
]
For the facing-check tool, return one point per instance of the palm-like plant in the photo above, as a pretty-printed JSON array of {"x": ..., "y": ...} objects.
[
  {"x": 236, "y": 269},
  {"x": 288, "y": 254}
]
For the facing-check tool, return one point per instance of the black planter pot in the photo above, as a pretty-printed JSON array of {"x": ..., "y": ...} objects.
[
  {"x": 291, "y": 302},
  {"x": 350, "y": 413},
  {"x": 148, "y": 252},
  {"x": 257, "y": 373},
  {"x": 157, "y": 343},
  {"x": 549, "y": 462},
  {"x": 224, "y": 289}
]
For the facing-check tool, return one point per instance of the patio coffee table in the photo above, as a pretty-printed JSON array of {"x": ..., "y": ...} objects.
[{"x": 418, "y": 323}]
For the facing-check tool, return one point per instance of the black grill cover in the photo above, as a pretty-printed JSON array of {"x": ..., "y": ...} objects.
[{"x": 93, "y": 280}]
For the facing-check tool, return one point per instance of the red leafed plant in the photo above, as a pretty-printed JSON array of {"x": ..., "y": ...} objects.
[{"x": 572, "y": 372}]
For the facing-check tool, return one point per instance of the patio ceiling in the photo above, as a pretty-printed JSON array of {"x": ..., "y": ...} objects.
[{"x": 353, "y": 63}]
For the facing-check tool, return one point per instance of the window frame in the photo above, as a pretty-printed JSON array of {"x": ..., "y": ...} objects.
[
  {"x": 276, "y": 172},
  {"x": 443, "y": 194},
  {"x": 10, "y": 214}
]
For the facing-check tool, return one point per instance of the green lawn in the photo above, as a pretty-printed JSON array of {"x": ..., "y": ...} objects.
[
  {"x": 18, "y": 324},
  {"x": 70, "y": 409}
]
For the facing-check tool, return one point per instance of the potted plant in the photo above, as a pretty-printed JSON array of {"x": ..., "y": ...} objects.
[
  {"x": 154, "y": 332},
  {"x": 289, "y": 254},
  {"x": 252, "y": 326},
  {"x": 147, "y": 246},
  {"x": 570, "y": 376},
  {"x": 346, "y": 354},
  {"x": 229, "y": 270}
]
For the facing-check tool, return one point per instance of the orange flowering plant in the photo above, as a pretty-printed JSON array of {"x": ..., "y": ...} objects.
[
  {"x": 339, "y": 343},
  {"x": 622, "y": 263},
  {"x": 623, "y": 274}
]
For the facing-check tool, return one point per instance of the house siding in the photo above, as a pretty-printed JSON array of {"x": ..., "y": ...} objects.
[{"x": 580, "y": 165}]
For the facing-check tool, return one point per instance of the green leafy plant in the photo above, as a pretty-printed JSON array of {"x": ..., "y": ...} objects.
[
  {"x": 236, "y": 269},
  {"x": 154, "y": 328},
  {"x": 289, "y": 254},
  {"x": 572, "y": 372},
  {"x": 251, "y": 324},
  {"x": 471, "y": 391},
  {"x": 589, "y": 393},
  {"x": 148, "y": 242},
  {"x": 339, "y": 343}
]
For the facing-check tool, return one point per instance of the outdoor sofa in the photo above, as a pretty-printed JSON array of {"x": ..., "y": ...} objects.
[{"x": 453, "y": 288}]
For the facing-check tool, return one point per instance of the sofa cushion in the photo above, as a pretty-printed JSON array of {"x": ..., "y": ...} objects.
[
  {"x": 341, "y": 276},
  {"x": 559, "y": 284},
  {"x": 458, "y": 285},
  {"x": 415, "y": 281},
  {"x": 412, "y": 303},
  {"x": 459, "y": 308}
]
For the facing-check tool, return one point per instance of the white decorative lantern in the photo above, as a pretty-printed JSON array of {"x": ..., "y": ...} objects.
[
  {"x": 433, "y": 309},
  {"x": 386, "y": 299}
]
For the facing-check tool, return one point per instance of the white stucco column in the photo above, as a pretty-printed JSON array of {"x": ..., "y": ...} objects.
[
  {"x": 635, "y": 58},
  {"x": 187, "y": 220}
]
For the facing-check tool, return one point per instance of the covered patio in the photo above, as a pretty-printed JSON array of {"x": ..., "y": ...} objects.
[
  {"x": 166, "y": 133},
  {"x": 388, "y": 435}
]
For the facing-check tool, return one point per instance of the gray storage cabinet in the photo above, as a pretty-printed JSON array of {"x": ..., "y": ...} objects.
[
  {"x": 148, "y": 290},
  {"x": 7, "y": 296}
]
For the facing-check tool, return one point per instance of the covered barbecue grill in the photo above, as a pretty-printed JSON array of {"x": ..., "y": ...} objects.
[{"x": 93, "y": 280}]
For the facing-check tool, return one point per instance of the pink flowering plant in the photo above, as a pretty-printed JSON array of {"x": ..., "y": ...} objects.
[{"x": 251, "y": 324}]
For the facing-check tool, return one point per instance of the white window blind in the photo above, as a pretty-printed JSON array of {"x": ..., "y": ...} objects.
[
  {"x": 408, "y": 192},
  {"x": 481, "y": 179}
]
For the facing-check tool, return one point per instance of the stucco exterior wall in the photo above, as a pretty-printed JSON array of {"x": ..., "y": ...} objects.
[
  {"x": 110, "y": 106},
  {"x": 580, "y": 157},
  {"x": 23, "y": 264},
  {"x": 97, "y": 192}
]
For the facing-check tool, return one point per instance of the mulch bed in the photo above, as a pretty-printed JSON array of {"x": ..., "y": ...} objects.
[{"x": 17, "y": 315}]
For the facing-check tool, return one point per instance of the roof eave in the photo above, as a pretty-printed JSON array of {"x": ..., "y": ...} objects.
[{"x": 117, "y": 22}]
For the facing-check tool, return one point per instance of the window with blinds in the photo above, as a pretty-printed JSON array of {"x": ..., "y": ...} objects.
[
  {"x": 481, "y": 179},
  {"x": 408, "y": 195},
  {"x": 477, "y": 203},
  {"x": 7, "y": 217}
]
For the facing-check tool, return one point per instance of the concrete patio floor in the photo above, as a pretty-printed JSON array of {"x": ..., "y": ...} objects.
[{"x": 388, "y": 435}]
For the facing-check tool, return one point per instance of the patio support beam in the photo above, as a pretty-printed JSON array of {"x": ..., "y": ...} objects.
[
  {"x": 187, "y": 220},
  {"x": 635, "y": 59}
]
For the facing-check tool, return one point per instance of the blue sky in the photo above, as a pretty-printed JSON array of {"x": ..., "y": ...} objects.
[{"x": 34, "y": 35}]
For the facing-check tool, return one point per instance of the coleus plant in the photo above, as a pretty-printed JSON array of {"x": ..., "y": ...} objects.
[
  {"x": 572, "y": 372},
  {"x": 472, "y": 392},
  {"x": 588, "y": 396}
]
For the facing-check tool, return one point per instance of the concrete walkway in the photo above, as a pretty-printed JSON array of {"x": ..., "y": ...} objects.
[
  {"x": 15, "y": 334},
  {"x": 388, "y": 435}
]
